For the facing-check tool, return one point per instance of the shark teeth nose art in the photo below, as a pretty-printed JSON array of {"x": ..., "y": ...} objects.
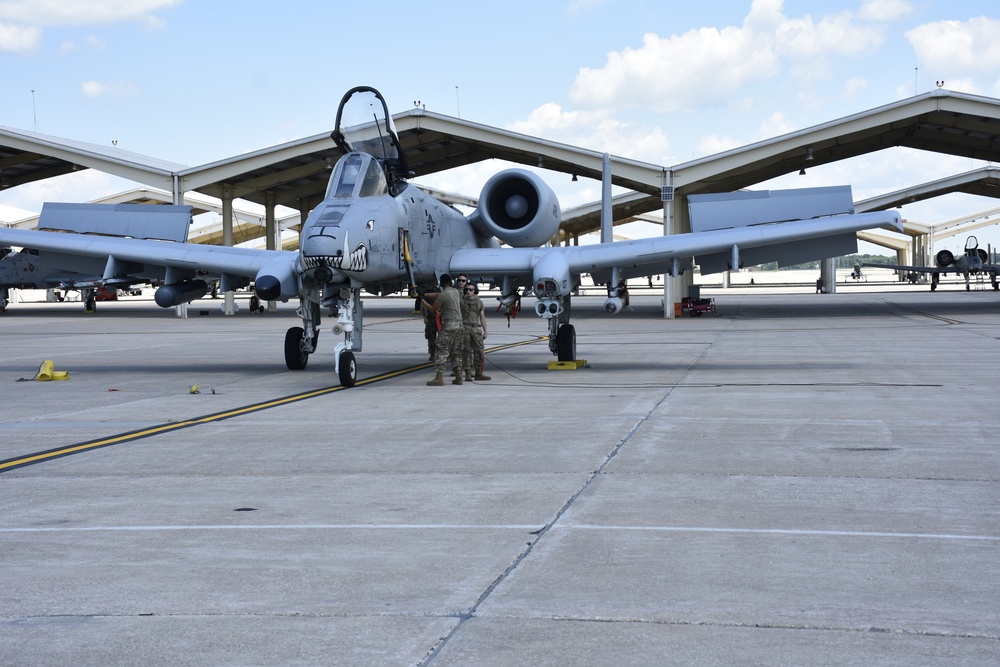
[{"x": 357, "y": 261}]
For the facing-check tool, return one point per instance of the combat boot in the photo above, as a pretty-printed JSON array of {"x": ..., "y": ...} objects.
[
  {"x": 438, "y": 381},
  {"x": 458, "y": 378},
  {"x": 481, "y": 377},
  {"x": 469, "y": 375}
]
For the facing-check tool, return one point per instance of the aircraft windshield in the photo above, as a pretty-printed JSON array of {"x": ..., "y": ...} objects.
[
  {"x": 352, "y": 169},
  {"x": 365, "y": 126}
]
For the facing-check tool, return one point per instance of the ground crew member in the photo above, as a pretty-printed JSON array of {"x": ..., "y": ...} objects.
[
  {"x": 430, "y": 324},
  {"x": 447, "y": 302},
  {"x": 474, "y": 322}
]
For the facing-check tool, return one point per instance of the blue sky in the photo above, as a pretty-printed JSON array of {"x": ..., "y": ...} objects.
[{"x": 195, "y": 81}]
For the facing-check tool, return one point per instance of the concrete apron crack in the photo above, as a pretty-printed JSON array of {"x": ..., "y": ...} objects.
[{"x": 540, "y": 533}]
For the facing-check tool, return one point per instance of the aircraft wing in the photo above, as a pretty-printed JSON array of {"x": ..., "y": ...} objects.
[
  {"x": 916, "y": 269},
  {"x": 245, "y": 262},
  {"x": 652, "y": 256},
  {"x": 986, "y": 268}
]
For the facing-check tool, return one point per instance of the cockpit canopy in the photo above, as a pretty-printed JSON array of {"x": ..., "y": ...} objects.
[
  {"x": 357, "y": 175},
  {"x": 365, "y": 126}
]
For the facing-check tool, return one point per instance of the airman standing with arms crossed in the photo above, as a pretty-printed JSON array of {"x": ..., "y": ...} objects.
[
  {"x": 449, "y": 338},
  {"x": 474, "y": 322}
]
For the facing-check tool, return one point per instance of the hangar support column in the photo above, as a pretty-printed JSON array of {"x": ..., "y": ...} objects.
[
  {"x": 272, "y": 237},
  {"x": 675, "y": 221},
  {"x": 828, "y": 275},
  {"x": 227, "y": 240},
  {"x": 905, "y": 258},
  {"x": 668, "y": 229},
  {"x": 178, "y": 199}
]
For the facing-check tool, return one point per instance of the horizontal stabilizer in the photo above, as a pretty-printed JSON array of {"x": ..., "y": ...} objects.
[
  {"x": 138, "y": 221},
  {"x": 728, "y": 210}
]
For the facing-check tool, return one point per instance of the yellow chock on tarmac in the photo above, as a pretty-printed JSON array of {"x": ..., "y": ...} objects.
[
  {"x": 567, "y": 365},
  {"x": 193, "y": 389},
  {"x": 47, "y": 372}
]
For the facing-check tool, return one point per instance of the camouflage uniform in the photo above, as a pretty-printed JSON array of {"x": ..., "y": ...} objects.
[
  {"x": 430, "y": 324},
  {"x": 473, "y": 354},
  {"x": 449, "y": 338}
]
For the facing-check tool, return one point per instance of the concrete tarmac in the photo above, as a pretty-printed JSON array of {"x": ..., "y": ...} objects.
[{"x": 803, "y": 479}]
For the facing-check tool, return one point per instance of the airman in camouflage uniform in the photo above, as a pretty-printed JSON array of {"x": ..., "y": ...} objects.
[
  {"x": 474, "y": 323},
  {"x": 447, "y": 302}
]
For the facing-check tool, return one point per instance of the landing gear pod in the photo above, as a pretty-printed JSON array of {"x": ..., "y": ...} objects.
[{"x": 178, "y": 293}]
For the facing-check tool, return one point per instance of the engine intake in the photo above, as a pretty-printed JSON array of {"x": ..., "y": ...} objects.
[
  {"x": 944, "y": 258},
  {"x": 517, "y": 207}
]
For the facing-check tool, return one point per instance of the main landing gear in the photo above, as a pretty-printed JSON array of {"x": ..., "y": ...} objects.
[
  {"x": 565, "y": 343},
  {"x": 562, "y": 334}
]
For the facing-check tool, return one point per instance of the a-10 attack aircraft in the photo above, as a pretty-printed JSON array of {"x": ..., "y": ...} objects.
[
  {"x": 27, "y": 270},
  {"x": 377, "y": 233},
  {"x": 91, "y": 276},
  {"x": 974, "y": 261}
]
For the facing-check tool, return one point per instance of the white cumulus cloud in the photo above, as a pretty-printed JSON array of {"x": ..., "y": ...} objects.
[
  {"x": 958, "y": 46},
  {"x": 705, "y": 67},
  {"x": 78, "y": 12},
  {"x": 595, "y": 130},
  {"x": 18, "y": 39},
  {"x": 965, "y": 55},
  {"x": 884, "y": 10},
  {"x": 23, "y": 21},
  {"x": 97, "y": 89}
]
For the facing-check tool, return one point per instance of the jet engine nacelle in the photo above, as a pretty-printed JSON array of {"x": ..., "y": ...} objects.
[
  {"x": 517, "y": 207},
  {"x": 175, "y": 294},
  {"x": 944, "y": 258}
]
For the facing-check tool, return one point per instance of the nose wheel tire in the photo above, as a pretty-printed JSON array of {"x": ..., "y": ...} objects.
[
  {"x": 295, "y": 358},
  {"x": 348, "y": 369}
]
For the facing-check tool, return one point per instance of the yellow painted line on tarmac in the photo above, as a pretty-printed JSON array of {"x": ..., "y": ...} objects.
[{"x": 131, "y": 436}]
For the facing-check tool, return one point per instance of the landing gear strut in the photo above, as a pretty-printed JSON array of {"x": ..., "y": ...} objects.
[{"x": 300, "y": 342}]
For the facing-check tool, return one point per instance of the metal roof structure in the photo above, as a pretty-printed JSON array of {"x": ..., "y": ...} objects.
[
  {"x": 295, "y": 174},
  {"x": 984, "y": 182},
  {"x": 940, "y": 121},
  {"x": 26, "y": 157}
]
